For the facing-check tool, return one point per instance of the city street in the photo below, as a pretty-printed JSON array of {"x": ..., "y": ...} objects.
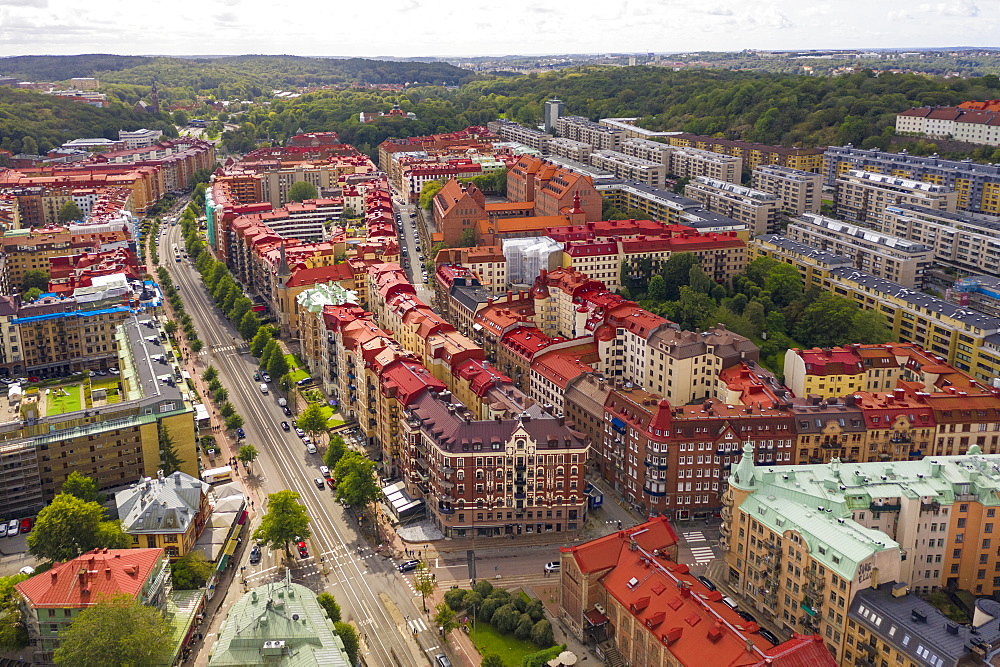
[{"x": 372, "y": 594}]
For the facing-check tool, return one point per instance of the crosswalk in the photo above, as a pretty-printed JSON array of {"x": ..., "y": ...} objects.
[
  {"x": 416, "y": 625},
  {"x": 216, "y": 348},
  {"x": 701, "y": 554}
]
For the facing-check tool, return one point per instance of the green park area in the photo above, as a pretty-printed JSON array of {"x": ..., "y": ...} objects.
[
  {"x": 510, "y": 649},
  {"x": 62, "y": 399}
]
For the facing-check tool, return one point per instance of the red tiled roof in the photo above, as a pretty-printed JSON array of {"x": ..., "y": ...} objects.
[{"x": 84, "y": 580}]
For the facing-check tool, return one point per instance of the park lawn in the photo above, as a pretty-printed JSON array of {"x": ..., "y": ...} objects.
[
  {"x": 297, "y": 368},
  {"x": 511, "y": 650},
  {"x": 57, "y": 403}
]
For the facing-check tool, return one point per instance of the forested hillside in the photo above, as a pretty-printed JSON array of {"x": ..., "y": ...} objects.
[
  {"x": 768, "y": 108},
  {"x": 51, "y": 121}
]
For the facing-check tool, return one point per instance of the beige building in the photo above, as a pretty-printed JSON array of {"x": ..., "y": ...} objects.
[
  {"x": 758, "y": 210},
  {"x": 646, "y": 149},
  {"x": 863, "y": 196},
  {"x": 569, "y": 149},
  {"x": 578, "y": 128},
  {"x": 693, "y": 162},
  {"x": 631, "y": 168},
  {"x": 957, "y": 239},
  {"x": 800, "y": 191},
  {"x": 882, "y": 255}
]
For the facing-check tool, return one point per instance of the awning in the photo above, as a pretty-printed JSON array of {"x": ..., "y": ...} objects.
[{"x": 227, "y": 552}]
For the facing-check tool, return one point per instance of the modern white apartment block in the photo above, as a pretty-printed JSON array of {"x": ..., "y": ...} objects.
[
  {"x": 631, "y": 168},
  {"x": 599, "y": 136},
  {"x": 862, "y": 196}
]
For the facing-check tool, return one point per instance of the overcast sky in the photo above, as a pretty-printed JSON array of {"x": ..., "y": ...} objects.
[{"x": 454, "y": 28}]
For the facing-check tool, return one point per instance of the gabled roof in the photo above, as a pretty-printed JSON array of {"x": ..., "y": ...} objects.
[{"x": 165, "y": 505}]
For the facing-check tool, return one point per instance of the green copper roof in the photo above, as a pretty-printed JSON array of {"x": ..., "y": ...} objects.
[{"x": 274, "y": 613}]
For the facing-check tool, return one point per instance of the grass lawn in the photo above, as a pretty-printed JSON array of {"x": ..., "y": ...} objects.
[
  {"x": 511, "y": 650},
  {"x": 58, "y": 403},
  {"x": 297, "y": 371}
]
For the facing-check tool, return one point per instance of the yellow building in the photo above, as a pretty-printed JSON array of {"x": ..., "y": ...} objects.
[{"x": 167, "y": 512}]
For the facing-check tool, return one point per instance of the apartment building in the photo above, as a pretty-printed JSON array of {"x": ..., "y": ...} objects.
[
  {"x": 668, "y": 207},
  {"x": 811, "y": 538},
  {"x": 885, "y": 620},
  {"x": 554, "y": 110},
  {"x": 139, "y": 138},
  {"x": 51, "y": 601},
  {"x": 890, "y": 257},
  {"x": 981, "y": 293},
  {"x": 758, "y": 210},
  {"x": 497, "y": 477},
  {"x": 631, "y": 168},
  {"x": 456, "y": 208},
  {"x": 964, "y": 338},
  {"x": 863, "y": 196},
  {"x": 753, "y": 155},
  {"x": 578, "y": 128},
  {"x": 628, "y": 593},
  {"x": 694, "y": 162},
  {"x": 488, "y": 263},
  {"x": 28, "y": 249},
  {"x": 977, "y": 186},
  {"x": 842, "y": 371},
  {"x": 646, "y": 149},
  {"x": 552, "y": 188},
  {"x": 510, "y": 131},
  {"x": 972, "y": 126},
  {"x": 168, "y": 512},
  {"x": 577, "y": 151},
  {"x": 800, "y": 191},
  {"x": 958, "y": 239}
]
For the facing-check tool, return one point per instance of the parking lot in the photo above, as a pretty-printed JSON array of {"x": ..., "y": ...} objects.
[{"x": 14, "y": 555}]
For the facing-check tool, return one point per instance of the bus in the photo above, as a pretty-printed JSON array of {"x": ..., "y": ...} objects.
[{"x": 177, "y": 254}]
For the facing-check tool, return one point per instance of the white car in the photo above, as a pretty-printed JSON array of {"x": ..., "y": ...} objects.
[
  {"x": 13, "y": 527},
  {"x": 299, "y": 432},
  {"x": 311, "y": 448},
  {"x": 323, "y": 470},
  {"x": 3, "y": 530}
]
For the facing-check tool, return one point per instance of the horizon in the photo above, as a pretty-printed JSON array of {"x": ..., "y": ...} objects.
[{"x": 406, "y": 29}]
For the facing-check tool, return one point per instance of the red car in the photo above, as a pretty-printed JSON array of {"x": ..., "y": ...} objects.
[
  {"x": 303, "y": 550},
  {"x": 26, "y": 525}
]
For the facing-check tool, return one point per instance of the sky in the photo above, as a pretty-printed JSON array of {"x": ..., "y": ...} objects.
[{"x": 409, "y": 28}]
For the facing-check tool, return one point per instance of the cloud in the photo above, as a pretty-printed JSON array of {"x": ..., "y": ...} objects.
[
  {"x": 41, "y": 4},
  {"x": 963, "y": 8},
  {"x": 715, "y": 11},
  {"x": 226, "y": 18}
]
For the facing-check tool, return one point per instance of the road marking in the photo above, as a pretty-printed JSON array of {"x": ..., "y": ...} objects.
[
  {"x": 703, "y": 554},
  {"x": 432, "y": 648},
  {"x": 695, "y": 536},
  {"x": 417, "y": 625}
]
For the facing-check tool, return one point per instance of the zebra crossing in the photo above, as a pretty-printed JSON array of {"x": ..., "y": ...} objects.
[
  {"x": 216, "y": 348},
  {"x": 701, "y": 554},
  {"x": 416, "y": 625}
]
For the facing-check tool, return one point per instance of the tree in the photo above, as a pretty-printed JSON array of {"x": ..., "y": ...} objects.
[
  {"x": 249, "y": 325},
  {"x": 117, "y": 631},
  {"x": 334, "y": 452},
  {"x": 270, "y": 349},
  {"x": 427, "y": 193},
  {"x": 227, "y": 410},
  {"x": 445, "y": 620},
  {"x": 170, "y": 460},
  {"x": 210, "y": 374},
  {"x": 260, "y": 341},
  {"x": 68, "y": 526},
  {"x": 277, "y": 365},
  {"x": 29, "y": 146},
  {"x": 170, "y": 326},
  {"x": 468, "y": 238},
  {"x": 191, "y": 571},
  {"x": 827, "y": 321},
  {"x": 31, "y": 295},
  {"x": 784, "y": 283},
  {"x": 180, "y": 118},
  {"x": 541, "y": 634},
  {"x": 492, "y": 660},
  {"x": 241, "y": 307},
  {"x": 330, "y": 606},
  {"x": 82, "y": 487},
  {"x": 285, "y": 520},
  {"x": 506, "y": 618},
  {"x": 196, "y": 345},
  {"x": 69, "y": 212},
  {"x": 698, "y": 280},
  {"x": 312, "y": 420},
  {"x": 656, "y": 289},
  {"x": 233, "y": 422},
  {"x": 13, "y": 631},
  {"x": 524, "y": 626},
  {"x": 301, "y": 190},
  {"x": 35, "y": 278},
  {"x": 355, "y": 476},
  {"x": 247, "y": 455},
  {"x": 349, "y": 636},
  {"x": 423, "y": 582},
  {"x": 285, "y": 382},
  {"x": 455, "y": 598},
  {"x": 676, "y": 272}
]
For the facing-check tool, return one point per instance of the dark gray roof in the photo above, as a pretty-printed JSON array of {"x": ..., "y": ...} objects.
[
  {"x": 470, "y": 296},
  {"x": 921, "y": 631},
  {"x": 152, "y": 361}
]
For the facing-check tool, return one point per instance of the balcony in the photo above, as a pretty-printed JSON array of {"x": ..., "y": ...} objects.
[
  {"x": 658, "y": 466},
  {"x": 446, "y": 508},
  {"x": 932, "y": 506},
  {"x": 885, "y": 507},
  {"x": 654, "y": 494},
  {"x": 900, "y": 437}
]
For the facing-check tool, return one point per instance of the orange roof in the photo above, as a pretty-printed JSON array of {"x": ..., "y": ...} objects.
[{"x": 84, "y": 580}]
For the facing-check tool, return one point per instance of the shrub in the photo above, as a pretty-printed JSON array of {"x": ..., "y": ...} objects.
[
  {"x": 455, "y": 598},
  {"x": 524, "y": 626},
  {"x": 541, "y": 634}
]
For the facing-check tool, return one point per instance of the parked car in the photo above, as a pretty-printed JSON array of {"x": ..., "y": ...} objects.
[
  {"x": 303, "y": 550},
  {"x": 26, "y": 525},
  {"x": 746, "y": 616},
  {"x": 240, "y": 433},
  {"x": 13, "y": 527},
  {"x": 552, "y": 567},
  {"x": 287, "y": 410},
  {"x": 331, "y": 482},
  {"x": 256, "y": 376},
  {"x": 3, "y": 530},
  {"x": 304, "y": 381},
  {"x": 265, "y": 377},
  {"x": 311, "y": 448},
  {"x": 299, "y": 432},
  {"x": 769, "y": 636},
  {"x": 323, "y": 470},
  {"x": 707, "y": 583},
  {"x": 441, "y": 660},
  {"x": 320, "y": 483},
  {"x": 408, "y": 566},
  {"x": 285, "y": 426},
  {"x": 255, "y": 555}
]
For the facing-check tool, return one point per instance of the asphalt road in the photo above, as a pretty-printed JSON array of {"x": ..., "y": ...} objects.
[{"x": 372, "y": 594}]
